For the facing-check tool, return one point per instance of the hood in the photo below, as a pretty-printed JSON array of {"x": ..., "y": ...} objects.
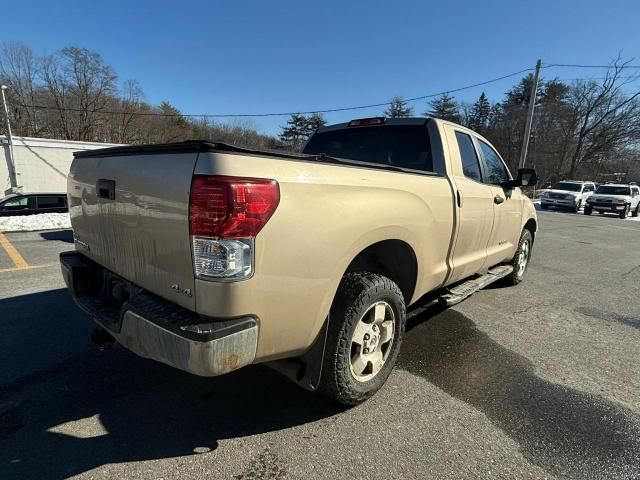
[{"x": 563, "y": 192}]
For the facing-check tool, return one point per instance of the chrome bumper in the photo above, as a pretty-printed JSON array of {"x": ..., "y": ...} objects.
[
  {"x": 558, "y": 202},
  {"x": 204, "y": 358},
  {"x": 157, "y": 329}
]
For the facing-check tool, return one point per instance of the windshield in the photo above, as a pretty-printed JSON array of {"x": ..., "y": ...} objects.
[
  {"x": 612, "y": 190},
  {"x": 568, "y": 186},
  {"x": 405, "y": 146}
]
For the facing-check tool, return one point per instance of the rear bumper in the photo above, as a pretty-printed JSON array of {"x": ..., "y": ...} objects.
[{"x": 155, "y": 328}]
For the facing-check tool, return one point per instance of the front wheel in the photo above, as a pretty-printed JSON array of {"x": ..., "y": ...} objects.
[
  {"x": 588, "y": 210},
  {"x": 544, "y": 206},
  {"x": 366, "y": 325},
  {"x": 521, "y": 258},
  {"x": 636, "y": 211},
  {"x": 625, "y": 212}
]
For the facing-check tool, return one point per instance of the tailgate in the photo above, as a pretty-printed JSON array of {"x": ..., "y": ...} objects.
[{"x": 129, "y": 211}]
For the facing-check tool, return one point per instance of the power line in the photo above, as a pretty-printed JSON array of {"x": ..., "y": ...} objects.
[
  {"x": 573, "y": 65},
  {"x": 279, "y": 114},
  {"x": 327, "y": 110}
]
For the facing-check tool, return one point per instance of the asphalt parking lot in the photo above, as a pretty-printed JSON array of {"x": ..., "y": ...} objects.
[{"x": 535, "y": 381}]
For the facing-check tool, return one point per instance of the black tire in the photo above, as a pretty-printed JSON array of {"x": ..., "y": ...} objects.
[
  {"x": 588, "y": 210},
  {"x": 357, "y": 293},
  {"x": 625, "y": 212},
  {"x": 516, "y": 276},
  {"x": 544, "y": 207},
  {"x": 636, "y": 211}
]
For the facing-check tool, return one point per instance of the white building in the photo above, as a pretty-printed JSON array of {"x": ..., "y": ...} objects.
[{"x": 42, "y": 164}]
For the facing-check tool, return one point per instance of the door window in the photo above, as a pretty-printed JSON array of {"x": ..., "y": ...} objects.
[
  {"x": 496, "y": 171},
  {"x": 470, "y": 162},
  {"x": 50, "y": 201},
  {"x": 21, "y": 203}
]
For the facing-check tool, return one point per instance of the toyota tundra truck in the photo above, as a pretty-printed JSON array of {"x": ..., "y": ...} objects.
[{"x": 210, "y": 257}]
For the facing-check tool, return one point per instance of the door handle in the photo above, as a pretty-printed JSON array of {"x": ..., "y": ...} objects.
[{"x": 498, "y": 199}]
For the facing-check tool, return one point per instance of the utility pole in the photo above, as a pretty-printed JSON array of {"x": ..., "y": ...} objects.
[
  {"x": 12, "y": 166},
  {"x": 527, "y": 127}
]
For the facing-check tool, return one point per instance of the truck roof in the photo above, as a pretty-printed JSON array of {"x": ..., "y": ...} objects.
[{"x": 387, "y": 121}]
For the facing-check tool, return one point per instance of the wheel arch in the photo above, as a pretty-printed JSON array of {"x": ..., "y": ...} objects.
[{"x": 392, "y": 258}]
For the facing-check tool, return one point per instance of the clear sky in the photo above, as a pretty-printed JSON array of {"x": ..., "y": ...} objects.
[{"x": 274, "y": 56}]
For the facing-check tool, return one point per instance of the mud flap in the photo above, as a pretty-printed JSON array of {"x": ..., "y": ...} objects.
[{"x": 306, "y": 369}]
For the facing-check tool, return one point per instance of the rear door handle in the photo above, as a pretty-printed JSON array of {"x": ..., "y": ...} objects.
[{"x": 498, "y": 199}]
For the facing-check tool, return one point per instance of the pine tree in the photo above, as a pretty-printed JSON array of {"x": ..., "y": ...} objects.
[
  {"x": 299, "y": 128},
  {"x": 520, "y": 93},
  {"x": 313, "y": 123},
  {"x": 398, "y": 108},
  {"x": 445, "y": 108},
  {"x": 296, "y": 130},
  {"x": 480, "y": 112}
]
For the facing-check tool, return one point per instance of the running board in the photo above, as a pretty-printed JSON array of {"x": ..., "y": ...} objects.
[{"x": 460, "y": 292}]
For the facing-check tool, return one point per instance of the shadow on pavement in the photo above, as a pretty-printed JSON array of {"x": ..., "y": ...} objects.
[
  {"x": 564, "y": 431},
  {"x": 60, "y": 235},
  {"x": 146, "y": 410}
]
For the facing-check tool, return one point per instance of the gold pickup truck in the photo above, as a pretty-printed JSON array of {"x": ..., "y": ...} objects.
[{"x": 210, "y": 257}]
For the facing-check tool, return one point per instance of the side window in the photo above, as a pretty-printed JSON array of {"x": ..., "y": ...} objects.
[
  {"x": 497, "y": 173},
  {"x": 17, "y": 204},
  {"x": 50, "y": 202},
  {"x": 470, "y": 163}
]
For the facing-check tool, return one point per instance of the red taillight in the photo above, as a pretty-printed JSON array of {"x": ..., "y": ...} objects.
[{"x": 231, "y": 207}]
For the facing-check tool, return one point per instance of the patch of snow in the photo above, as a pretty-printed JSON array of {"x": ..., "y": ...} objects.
[{"x": 30, "y": 223}]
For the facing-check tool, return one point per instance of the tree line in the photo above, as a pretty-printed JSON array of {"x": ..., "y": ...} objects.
[
  {"x": 586, "y": 129},
  {"x": 581, "y": 129},
  {"x": 73, "y": 94}
]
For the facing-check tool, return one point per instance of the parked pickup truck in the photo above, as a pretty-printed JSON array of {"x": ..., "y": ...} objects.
[{"x": 209, "y": 257}]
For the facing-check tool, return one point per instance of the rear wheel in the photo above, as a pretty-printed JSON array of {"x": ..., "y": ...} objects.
[
  {"x": 366, "y": 325},
  {"x": 588, "y": 210},
  {"x": 521, "y": 258}
]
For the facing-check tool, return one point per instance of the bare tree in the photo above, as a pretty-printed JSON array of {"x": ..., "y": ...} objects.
[
  {"x": 20, "y": 69},
  {"x": 605, "y": 116},
  {"x": 81, "y": 85}
]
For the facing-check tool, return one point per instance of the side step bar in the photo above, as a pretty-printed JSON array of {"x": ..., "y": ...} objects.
[{"x": 460, "y": 292}]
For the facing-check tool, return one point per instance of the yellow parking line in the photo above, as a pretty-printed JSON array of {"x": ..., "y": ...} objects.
[
  {"x": 27, "y": 268},
  {"x": 14, "y": 255}
]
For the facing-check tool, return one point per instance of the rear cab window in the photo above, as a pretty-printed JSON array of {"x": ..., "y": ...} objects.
[
  {"x": 469, "y": 157},
  {"x": 404, "y": 146}
]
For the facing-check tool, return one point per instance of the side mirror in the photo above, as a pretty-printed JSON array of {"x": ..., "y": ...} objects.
[{"x": 527, "y": 177}]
